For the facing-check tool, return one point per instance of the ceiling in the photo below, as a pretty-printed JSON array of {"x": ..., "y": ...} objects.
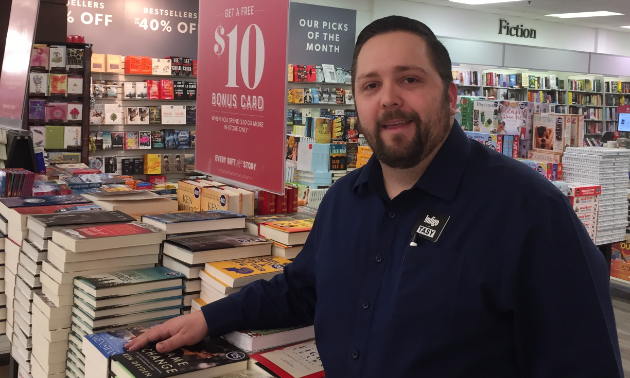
[{"x": 537, "y": 9}]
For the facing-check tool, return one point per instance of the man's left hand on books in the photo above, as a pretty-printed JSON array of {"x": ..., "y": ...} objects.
[{"x": 175, "y": 333}]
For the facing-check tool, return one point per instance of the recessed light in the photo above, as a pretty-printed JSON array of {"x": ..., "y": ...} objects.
[
  {"x": 626, "y": 27},
  {"x": 585, "y": 14},
  {"x": 481, "y": 2}
]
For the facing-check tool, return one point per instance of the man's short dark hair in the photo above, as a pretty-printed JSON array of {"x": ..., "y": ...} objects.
[{"x": 439, "y": 56}]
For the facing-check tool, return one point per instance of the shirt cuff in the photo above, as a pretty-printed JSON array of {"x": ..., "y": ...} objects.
[{"x": 223, "y": 316}]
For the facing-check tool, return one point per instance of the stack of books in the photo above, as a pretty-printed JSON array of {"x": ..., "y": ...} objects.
[
  {"x": 85, "y": 251},
  {"x": 5, "y": 345},
  {"x": 297, "y": 360},
  {"x": 132, "y": 202},
  {"x": 288, "y": 231},
  {"x": 222, "y": 278},
  {"x": 188, "y": 254},
  {"x": 109, "y": 301}
]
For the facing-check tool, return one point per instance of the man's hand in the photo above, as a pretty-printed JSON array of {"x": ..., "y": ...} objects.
[{"x": 177, "y": 332}]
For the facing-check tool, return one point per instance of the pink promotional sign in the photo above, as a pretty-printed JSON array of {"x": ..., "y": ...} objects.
[
  {"x": 242, "y": 98},
  {"x": 17, "y": 55}
]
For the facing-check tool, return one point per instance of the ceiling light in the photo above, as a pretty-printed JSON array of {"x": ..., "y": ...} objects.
[
  {"x": 626, "y": 27},
  {"x": 481, "y": 2},
  {"x": 585, "y": 14}
]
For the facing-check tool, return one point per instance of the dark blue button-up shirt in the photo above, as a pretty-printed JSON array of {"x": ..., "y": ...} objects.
[{"x": 514, "y": 287}]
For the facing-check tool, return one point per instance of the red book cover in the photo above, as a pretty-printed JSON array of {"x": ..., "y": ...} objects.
[
  {"x": 515, "y": 147},
  {"x": 167, "y": 89},
  {"x": 281, "y": 204},
  {"x": 109, "y": 230},
  {"x": 311, "y": 74},
  {"x": 294, "y": 199},
  {"x": 500, "y": 143},
  {"x": 299, "y": 360},
  {"x": 157, "y": 180},
  {"x": 132, "y": 64},
  {"x": 266, "y": 203},
  {"x": 195, "y": 67},
  {"x": 153, "y": 89},
  {"x": 146, "y": 65},
  {"x": 46, "y": 209}
]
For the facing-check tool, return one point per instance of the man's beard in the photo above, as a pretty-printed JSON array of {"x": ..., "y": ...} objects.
[{"x": 404, "y": 153}]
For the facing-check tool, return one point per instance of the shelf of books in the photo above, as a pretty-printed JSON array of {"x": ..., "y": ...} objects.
[
  {"x": 58, "y": 99},
  {"x": 143, "y": 113}
]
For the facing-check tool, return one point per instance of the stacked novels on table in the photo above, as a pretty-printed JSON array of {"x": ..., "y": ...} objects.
[
  {"x": 132, "y": 202},
  {"x": 608, "y": 169},
  {"x": 225, "y": 238},
  {"x": 84, "y": 251},
  {"x": 109, "y": 301},
  {"x": 287, "y": 231}
]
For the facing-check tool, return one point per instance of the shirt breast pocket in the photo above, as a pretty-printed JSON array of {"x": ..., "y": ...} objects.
[{"x": 427, "y": 290}]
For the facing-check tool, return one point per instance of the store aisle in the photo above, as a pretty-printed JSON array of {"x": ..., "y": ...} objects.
[{"x": 621, "y": 305}]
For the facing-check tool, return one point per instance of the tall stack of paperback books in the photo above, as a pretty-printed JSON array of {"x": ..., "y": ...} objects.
[
  {"x": 288, "y": 231},
  {"x": 191, "y": 236},
  {"x": 83, "y": 251},
  {"x": 109, "y": 301}
]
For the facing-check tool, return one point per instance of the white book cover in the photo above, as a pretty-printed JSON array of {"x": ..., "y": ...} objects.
[
  {"x": 75, "y": 85},
  {"x": 58, "y": 56},
  {"x": 39, "y": 135},
  {"x": 141, "y": 90},
  {"x": 129, "y": 89},
  {"x": 143, "y": 115},
  {"x": 75, "y": 111},
  {"x": 38, "y": 83},
  {"x": 349, "y": 97},
  {"x": 113, "y": 114},
  {"x": 97, "y": 114},
  {"x": 132, "y": 116},
  {"x": 72, "y": 136},
  {"x": 329, "y": 73},
  {"x": 174, "y": 114}
]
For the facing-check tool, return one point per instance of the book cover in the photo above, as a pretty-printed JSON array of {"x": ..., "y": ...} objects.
[
  {"x": 292, "y": 226},
  {"x": 39, "y": 135},
  {"x": 189, "y": 163},
  {"x": 113, "y": 114},
  {"x": 141, "y": 90},
  {"x": 323, "y": 130},
  {"x": 82, "y": 217},
  {"x": 170, "y": 139},
  {"x": 37, "y": 109},
  {"x": 199, "y": 243},
  {"x": 166, "y": 163},
  {"x": 132, "y": 116},
  {"x": 131, "y": 140},
  {"x": 191, "y": 115},
  {"x": 38, "y": 83},
  {"x": 129, "y": 277},
  {"x": 56, "y": 112},
  {"x": 58, "y": 84},
  {"x": 157, "y": 139},
  {"x": 96, "y": 137},
  {"x": 183, "y": 139},
  {"x": 194, "y": 216},
  {"x": 155, "y": 115},
  {"x": 208, "y": 354},
  {"x": 252, "y": 266},
  {"x": 191, "y": 90},
  {"x": 193, "y": 138},
  {"x": 72, "y": 136},
  {"x": 166, "y": 89},
  {"x": 134, "y": 228},
  {"x": 145, "y": 140},
  {"x": 40, "y": 57},
  {"x": 178, "y": 90},
  {"x": 129, "y": 89},
  {"x": 97, "y": 114},
  {"x": 179, "y": 163},
  {"x": 107, "y": 140},
  {"x": 111, "y": 164},
  {"x": 329, "y": 73},
  {"x": 138, "y": 166},
  {"x": 62, "y": 202},
  {"x": 75, "y": 112},
  {"x": 298, "y": 360},
  {"x": 152, "y": 164},
  {"x": 113, "y": 342},
  {"x": 54, "y": 137}
]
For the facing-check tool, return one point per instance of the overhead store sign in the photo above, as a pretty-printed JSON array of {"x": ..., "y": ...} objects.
[
  {"x": 242, "y": 95},
  {"x": 321, "y": 35},
  {"x": 157, "y": 28},
  {"x": 516, "y": 31}
]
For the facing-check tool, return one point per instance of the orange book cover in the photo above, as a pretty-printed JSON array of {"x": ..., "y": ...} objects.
[
  {"x": 299, "y": 225},
  {"x": 620, "y": 261}
]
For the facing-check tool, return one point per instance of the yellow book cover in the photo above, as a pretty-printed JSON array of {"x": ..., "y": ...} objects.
[
  {"x": 298, "y": 225},
  {"x": 113, "y": 63},
  {"x": 213, "y": 199},
  {"x": 290, "y": 96},
  {"x": 570, "y": 98},
  {"x": 298, "y": 96},
  {"x": 338, "y": 127},
  {"x": 290, "y": 72},
  {"x": 619, "y": 86},
  {"x": 252, "y": 266},
  {"x": 152, "y": 164},
  {"x": 189, "y": 195},
  {"x": 365, "y": 150},
  {"x": 323, "y": 130},
  {"x": 98, "y": 62}
]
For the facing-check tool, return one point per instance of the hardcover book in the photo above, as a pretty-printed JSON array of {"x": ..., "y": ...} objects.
[
  {"x": 189, "y": 163},
  {"x": 190, "y": 90},
  {"x": 166, "y": 89},
  {"x": 178, "y": 90},
  {"x": 152, "y": 164},
  {"x": 157, "y": 139},
  {"x": 131, "y": 140},
  {"x": 129, "y": 89},
  {"x": 170, "y": 139},
  {"x": 37, "y": 109},
  {"x": 191, "y": 115},
  {"x": 215, "y": 357},
  {"x": 96, "y": 137},
  {"x": 183, "y": 138},
  {"x": 141, "y": 90},
  {"x": 166, "y": 163},
  {"x": 155, "y": 115},
  {"x": 179, "y": 163},
  {"x": 38, "y": 83},
  {"x": 113, "y": 114},
  {"x": 43, "y": 204},
  {"x": 145, "y": 140},
  {"x": 76, "y": 218}
]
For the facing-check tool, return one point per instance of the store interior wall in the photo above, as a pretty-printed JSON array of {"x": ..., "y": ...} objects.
[{"x": 5, "y": 13}]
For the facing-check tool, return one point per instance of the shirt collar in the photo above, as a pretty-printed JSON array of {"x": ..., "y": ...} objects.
[{"x": 441, "y": 178}]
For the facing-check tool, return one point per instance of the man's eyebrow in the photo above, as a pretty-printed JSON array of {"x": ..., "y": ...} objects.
[{"x": 396, "y": 69}]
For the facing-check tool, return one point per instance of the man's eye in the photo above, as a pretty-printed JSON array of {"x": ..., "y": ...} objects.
[
  {"x": 370, "y": 86},
  {"x": 410, "y": 80}
]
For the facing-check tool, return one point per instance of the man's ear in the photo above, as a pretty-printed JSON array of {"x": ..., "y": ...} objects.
[{"x": 452, "y": 97}]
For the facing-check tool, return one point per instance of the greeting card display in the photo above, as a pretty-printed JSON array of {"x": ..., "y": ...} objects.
[
  {"x": 58, "y": 84},
  {"x": 38, "y": 83},
  {"x": 72, "y": 136},
  {"x": 75, "y": 111},
  {"x": 39, "y": 135},
  {"x": 36, "y": 109},
  {"x": 40, "y": 57},
  {"x": 58, "y": 57},
  {"x": 57, "y": 112},
  {"x": 74, "y": 58},
  {"x": 75, "y": 85}
]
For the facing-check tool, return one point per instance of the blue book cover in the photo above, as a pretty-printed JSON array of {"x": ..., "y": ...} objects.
[
  {"x": 15, "y": 202},
  {"x": 129, "y": 277},
  {"x": 82, "y": 326},
  {"x": 170, "y": 139},
  {"x": 113, "y": 342},
  {"x": 512, "y": 80},
  {"x": 315, "y": 93},
  {"x": 193, "y": 216},
  {"x": 508, "y": 145},
  {"x": 183, "y": 138}
]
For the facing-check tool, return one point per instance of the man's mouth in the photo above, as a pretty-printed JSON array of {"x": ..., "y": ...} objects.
[{"x": 396, "y": 124}]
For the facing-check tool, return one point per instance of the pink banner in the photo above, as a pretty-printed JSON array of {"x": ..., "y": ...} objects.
[
  {"x": 242, "y": 95},
  {"x": 17, "y": 55}
]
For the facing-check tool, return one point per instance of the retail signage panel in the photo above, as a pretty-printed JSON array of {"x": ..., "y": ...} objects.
[
  {"x": 157, "y": 28},
  {"x": 17, "y": 55},
  {"x": 321, "y": 35},
  {"x": 242, "y": 79}
]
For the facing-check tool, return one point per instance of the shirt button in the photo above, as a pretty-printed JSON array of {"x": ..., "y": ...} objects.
[
  {"x": 355, "y": 354},
  {"x": 392, "y": 214},
  {"x": 378, "y": 258},
  {"x": 366, "y": 305}
]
